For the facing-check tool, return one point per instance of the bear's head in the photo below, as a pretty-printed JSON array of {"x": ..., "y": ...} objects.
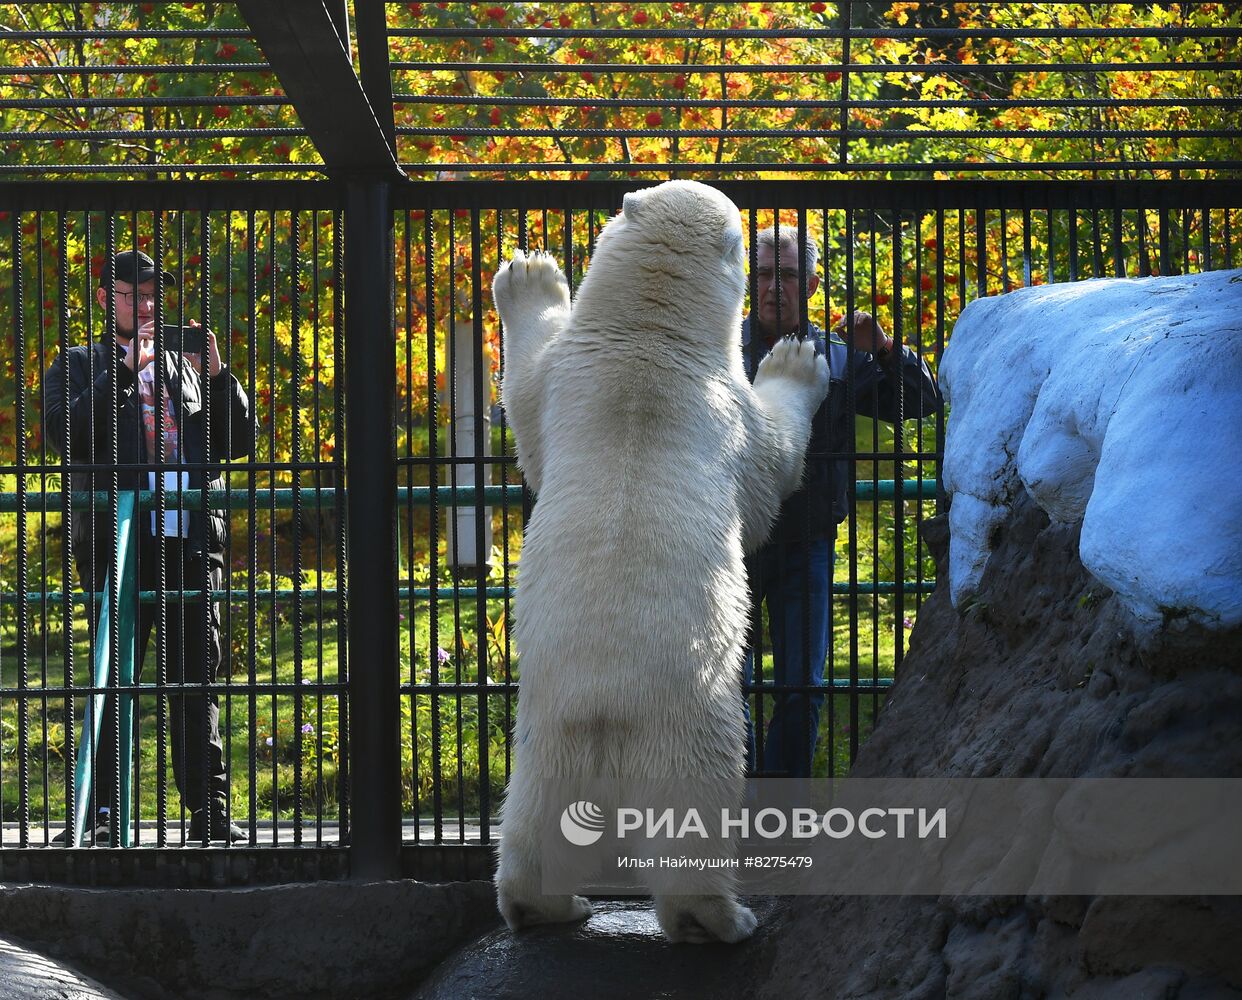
[{"x": 672, "y": 258}]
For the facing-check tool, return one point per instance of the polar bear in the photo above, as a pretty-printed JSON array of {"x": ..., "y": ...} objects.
[{"x": 656, "y": 467}]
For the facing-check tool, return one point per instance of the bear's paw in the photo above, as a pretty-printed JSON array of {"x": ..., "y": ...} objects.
[
  {"x": 520, "y": 912},
  {"x": 796, "y": 362},
  {"x": 528, "y": 287},
  {"x": 704, "y": 919}
]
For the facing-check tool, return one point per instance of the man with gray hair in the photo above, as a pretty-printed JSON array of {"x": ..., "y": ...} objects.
[{"x": 792, "y": 573}]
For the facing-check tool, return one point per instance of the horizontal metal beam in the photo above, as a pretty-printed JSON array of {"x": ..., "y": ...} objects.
[
  {"x": 488, "y": 195},
  {"x": 403, "y": 593},
  {"x": 407, "y": 496},
  {"x": 126, "y": 195},
  {"x": 312, "y": 62}
]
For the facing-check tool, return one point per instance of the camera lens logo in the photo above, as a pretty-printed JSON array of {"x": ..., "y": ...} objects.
[{"x": 582, "y": 823}]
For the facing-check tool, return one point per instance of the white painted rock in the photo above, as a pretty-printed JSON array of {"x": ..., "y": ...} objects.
[{"x": 1117, "y": 403}]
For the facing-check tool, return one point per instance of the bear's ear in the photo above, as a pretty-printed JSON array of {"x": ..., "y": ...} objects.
[{"x": 630, "y": 203}]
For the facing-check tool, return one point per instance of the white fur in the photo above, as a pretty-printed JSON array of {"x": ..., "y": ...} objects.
[{"x": 656, "y": 465}]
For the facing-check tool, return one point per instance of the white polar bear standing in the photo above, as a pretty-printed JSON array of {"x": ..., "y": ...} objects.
[{"x": 656, "y": 466}]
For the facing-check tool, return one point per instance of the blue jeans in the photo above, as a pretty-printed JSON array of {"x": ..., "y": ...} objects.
[{"x": 795, "y": 580}]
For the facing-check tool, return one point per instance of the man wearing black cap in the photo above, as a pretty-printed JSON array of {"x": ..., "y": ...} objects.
[{"x": 168, "y": 422}]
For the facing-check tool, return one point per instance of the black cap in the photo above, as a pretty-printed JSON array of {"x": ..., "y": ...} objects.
[{"x": 134, "y": 267}]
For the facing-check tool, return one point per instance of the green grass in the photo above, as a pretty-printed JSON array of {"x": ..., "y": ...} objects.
[
  {"x": 279, "y": 718},
  {"x": 449, "y": 740},
  {"x": 445, "y": 727}
]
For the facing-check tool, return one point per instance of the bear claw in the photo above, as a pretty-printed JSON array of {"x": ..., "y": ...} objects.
[
  {"x": 797, "y": 361},
  {"x": 530, "y": 284}
]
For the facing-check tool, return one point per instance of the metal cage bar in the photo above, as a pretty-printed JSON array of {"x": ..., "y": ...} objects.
[{"x": 269, "y": 279}]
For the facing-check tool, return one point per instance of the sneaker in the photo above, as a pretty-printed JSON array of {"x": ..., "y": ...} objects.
[
  {"x": 100, "y": 835},
  {"x": 221, "y": 830}
]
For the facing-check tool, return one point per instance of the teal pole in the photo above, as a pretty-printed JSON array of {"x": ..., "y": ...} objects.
[
  {"x": 92, "y": 718},
  {"x": 125, "y": 668}
]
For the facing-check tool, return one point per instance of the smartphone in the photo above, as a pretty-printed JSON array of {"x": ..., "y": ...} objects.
[{"x": 185, "y": 339}]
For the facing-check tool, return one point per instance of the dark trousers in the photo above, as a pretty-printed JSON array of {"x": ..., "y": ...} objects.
[
  {"x": 192, "y": 652},
  {"x": 795, "y": 581}
]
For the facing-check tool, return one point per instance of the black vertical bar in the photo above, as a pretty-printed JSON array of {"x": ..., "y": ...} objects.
[
  {"x": 807, "y": 721},
  {"x": 295, "y": 425},
  {"x": 1097, "y": 254},
  {"x": 845, "y": 12},
  {"x": 1004, "y": 251},
  {"x": 1185, "y": 242},
  {"x": 1166, "y": 253},
  {"x": 70, "y": 722},
  {"x": 1051, "y": 243},
  {"x": 1205, "y": 254},
  {"x": 204, "y": 608},
  {"x": 23, "y": 623},
  {"x": 481, "y": 401},
  {"x": 1027, "y": 267},
  {"x": 454, "y": 554},
  {"x": 433, "y": 522},
  {"x": 114, "y": 580},
  {"x": 375, "y": 841},
  {"x": 756, "y": 631},
  {"x": 567, "y": 240},
  {"x": 523, "y": 236},
  {"x": 317, "y": 451},
  {"x": 161, "y": 607},
  {"x": 273, "y": 481},
  {"x": 345, "y": 750},
  {"x": 252, "y": 535},
  {"x": 899, "y": 535},
  {"x": 41, "y": 358},
  {"x": 507, "y": 610},
  {"x": 981, "y": 252},
  {"x": 1073, "y": 246},
  {"x": 1119, "y": 260},
  {"x": 407, "y": 579},
  {"x": 181, "y": 581},
  {"x": 226, "y": 638},
  {"x": 1144, "y": 254}
]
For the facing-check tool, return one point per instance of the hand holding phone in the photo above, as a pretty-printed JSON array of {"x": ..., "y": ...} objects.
[{"x": 185, "y": 339}]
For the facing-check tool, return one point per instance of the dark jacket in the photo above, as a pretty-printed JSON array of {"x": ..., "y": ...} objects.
[
  {"x": 901, "y": 384},
  {"x": 93, "y": 405}
]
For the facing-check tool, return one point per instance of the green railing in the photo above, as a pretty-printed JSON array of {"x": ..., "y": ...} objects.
[
  {"x": 410, "y": 496},
  {"x": 416, "y": 496}
]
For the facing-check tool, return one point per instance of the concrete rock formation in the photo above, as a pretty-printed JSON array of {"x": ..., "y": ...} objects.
[
  {"x": 27, "y": 975},
  {"x": 1039, "y": 675},
  {"x": 317, "y": 940},
  {"x": 1115, "y": 404}
]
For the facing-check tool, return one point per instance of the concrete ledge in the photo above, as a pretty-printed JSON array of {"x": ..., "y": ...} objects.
[
  {"x": 327, "y": 939},
  {"x": 27, "y": 975}
]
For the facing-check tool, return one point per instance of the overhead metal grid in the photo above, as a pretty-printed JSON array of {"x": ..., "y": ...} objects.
[
  {"x": 439, "y": 86},
  {"x": 865, "y": 119}
]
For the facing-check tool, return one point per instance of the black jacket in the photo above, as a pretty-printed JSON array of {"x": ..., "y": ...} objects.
[
  {"x": 94, "y": 399},
  {"x": 902, "y": 384}
]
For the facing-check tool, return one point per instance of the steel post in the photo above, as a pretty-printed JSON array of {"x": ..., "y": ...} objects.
[{"x": 371, "y": 475}]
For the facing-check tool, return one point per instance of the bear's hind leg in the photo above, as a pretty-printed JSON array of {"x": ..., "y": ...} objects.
[{"x": 519, "y": 876}]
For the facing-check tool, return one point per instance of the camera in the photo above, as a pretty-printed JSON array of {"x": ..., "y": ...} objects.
[{"x": 185, "y": 339}]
